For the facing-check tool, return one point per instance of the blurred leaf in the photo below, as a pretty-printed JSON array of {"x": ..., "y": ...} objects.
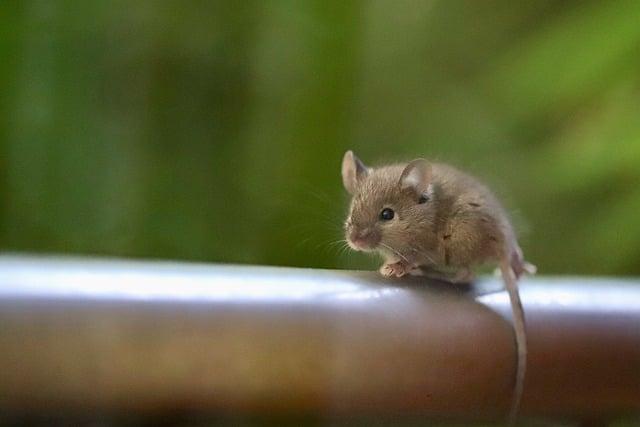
[{"x": 214, "y": 130}]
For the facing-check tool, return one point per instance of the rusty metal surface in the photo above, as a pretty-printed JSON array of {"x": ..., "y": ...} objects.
[{"x": 142, "y": 337}]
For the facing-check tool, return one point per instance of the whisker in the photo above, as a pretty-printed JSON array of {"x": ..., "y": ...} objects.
[
  {"x": 423, "y": 254},
  {"x": 336, "y": 242},
  {"x": 344, "y": 249},
  {"x": 339, "y": 246},
  {"x": 396, "y": 252}
]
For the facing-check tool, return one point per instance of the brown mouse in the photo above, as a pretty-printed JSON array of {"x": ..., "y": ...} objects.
[{"x": 433, "y": 220}]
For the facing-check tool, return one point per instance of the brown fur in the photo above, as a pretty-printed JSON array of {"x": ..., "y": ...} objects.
[{"x": 460, "y": 226}]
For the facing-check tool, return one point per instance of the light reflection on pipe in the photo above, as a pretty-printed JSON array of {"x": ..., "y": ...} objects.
[
  {"x": 109, "y": 280},
  {"x": 575, "y": 294},
  {"x": 68, "y": 278}
]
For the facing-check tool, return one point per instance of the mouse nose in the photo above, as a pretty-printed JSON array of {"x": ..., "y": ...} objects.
[
  {"x": 365, "y": 238},
  {"x": 363, "y": 234}
]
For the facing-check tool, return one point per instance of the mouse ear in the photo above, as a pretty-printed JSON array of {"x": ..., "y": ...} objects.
[
  {"x": 416, "y": 176},
  {"x": 353, "y": 170}
]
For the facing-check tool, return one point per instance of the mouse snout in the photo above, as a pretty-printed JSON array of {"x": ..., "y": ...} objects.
[{"x": 363, "y": 239}]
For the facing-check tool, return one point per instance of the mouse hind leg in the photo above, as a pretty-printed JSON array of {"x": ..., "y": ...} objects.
[{"x": 518, "y": 263}]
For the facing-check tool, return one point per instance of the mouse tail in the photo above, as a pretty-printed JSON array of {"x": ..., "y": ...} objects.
[{"x": 510, "y": 276}]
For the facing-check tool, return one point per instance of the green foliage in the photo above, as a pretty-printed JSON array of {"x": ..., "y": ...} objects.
[{"x": 214, "y": 131}]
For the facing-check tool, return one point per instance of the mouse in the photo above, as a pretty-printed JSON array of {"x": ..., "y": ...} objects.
[{"x": 430, "y": 219}]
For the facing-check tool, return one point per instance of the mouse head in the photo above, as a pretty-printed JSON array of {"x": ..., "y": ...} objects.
[{"x": 389, "y": 207}]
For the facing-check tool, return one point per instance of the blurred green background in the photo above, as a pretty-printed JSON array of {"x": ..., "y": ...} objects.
[{"x": 214, "y": 130}]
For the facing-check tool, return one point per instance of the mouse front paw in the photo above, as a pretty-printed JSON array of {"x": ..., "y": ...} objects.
[{"x": 395, "y": 269}]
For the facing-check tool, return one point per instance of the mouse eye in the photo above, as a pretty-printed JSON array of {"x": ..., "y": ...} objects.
[
  {"x": 386, "y": 214},
  {"x": 423, "y": 199}
]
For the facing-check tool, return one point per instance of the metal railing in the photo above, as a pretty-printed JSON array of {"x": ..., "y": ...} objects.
[{"x": 147, "y": 338}]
